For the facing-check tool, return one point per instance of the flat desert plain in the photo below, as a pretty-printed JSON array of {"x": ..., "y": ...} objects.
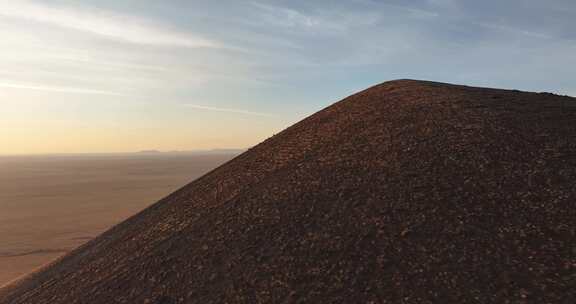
[{"x": 52, "y": 204}]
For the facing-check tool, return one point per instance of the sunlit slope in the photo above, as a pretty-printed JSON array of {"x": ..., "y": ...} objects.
[{"x": 409, "y": 191}]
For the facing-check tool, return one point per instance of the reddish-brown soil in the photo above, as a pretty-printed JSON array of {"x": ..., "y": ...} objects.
[{"x": 408, "y": 192}]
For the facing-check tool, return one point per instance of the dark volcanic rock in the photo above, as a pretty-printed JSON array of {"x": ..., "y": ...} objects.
[{"x": 408, "y": 192}]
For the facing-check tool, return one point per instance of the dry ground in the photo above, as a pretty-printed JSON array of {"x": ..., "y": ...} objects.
[{"x": 51, "y": 204}]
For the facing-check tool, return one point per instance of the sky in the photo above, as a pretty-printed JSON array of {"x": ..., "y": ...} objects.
[{"x": 128, "y": 75}]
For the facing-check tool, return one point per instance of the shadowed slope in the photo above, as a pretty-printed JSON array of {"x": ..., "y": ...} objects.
[{"x": 409, "y": 191}]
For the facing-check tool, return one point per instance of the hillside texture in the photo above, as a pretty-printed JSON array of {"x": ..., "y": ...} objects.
[{"x": 408, "y": 192}]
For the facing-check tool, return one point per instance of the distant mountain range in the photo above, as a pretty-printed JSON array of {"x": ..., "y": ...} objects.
[
  {"x": 209, "y": 151},
  {"x": 139, "y": 153}
]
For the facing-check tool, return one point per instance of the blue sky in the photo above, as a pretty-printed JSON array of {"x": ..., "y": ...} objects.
[{"x": 113, "y": 75}]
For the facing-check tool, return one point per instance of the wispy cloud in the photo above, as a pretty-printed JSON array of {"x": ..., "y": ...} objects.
[
  {"x": 112, "y": 25},
  {"x": 58, "y": 89},
  {"x": 444, "y": 3},
  {"x": 237, "y": 111},
  {"x": 75, "y": 90},
  {"x": 515, "y": 31},
  {"x": 291, "y": 18},
  {"x": 286, "y": 17}
]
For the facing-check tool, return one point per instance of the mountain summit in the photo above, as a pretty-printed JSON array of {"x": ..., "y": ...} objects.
[{"x": 407, "y": 192}]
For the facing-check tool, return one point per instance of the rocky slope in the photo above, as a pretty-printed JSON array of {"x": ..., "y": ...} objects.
[{"x": 407, "y": 192}]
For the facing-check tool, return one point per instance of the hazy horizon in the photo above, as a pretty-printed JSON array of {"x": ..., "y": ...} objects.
[{"x": 146, "y": 152}]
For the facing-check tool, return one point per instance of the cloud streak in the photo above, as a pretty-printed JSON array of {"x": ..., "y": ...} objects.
[
  {"x": 237, "y": 111},
  {"x": 58, "y": 89},
  {"x": 106, "y": 24},
  {"x": 515, "y": 31},
  {"x": 293, "y": 19}
]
